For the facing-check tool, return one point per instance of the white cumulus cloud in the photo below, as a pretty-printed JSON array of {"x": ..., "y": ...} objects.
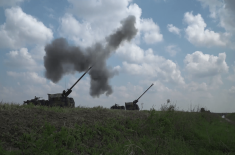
[
  {"x": 172, "y": 50},
  {"x": 227, "y": 18},
  {"x": 193, "y": 86},
  {"x": 21, "y": 59},
  {"x": 223, "y": 11},
  {"x": 201, "y": 65},
  {"x": 10, "y": 2},
  {"x": 93, "y": 21},
  {"x": 37, "y": 52},
  {"x": 131, "y": 52},
  {"x": 198, "y": 35},
  {"x": 21, "y": 29},
  {"x": 151, "y": 31},
  {"x": 231, "y": 77},
  {"x": 171, "y": 28},
  {"x": 80, "y": 33},
  {"x": 214, "y": 6},
  {"x": 140, "y": 62},
  {"x": 96, "y": 10},
  {"x": 29, "y": 77},
  {"x": 104, "y": 13}
]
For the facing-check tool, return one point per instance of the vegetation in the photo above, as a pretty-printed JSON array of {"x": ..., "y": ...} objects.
[{"x": 28, "y": 129}]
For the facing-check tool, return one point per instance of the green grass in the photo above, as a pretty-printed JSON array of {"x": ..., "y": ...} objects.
[{"x": 142, "y": 132}]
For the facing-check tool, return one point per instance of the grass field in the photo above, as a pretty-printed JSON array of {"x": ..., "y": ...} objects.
[{"x": 39, "y": 130}]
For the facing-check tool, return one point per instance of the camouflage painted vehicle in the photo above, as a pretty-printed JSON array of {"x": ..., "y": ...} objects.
[
  {"x": 59, "y": 99},
  {"x": 133, "y": 105},
  {"x": 53, "y": 100},
  {"x": 116, "y": 106},
  {"x": 203, "y": 110},
  {"x": 35, "y": 101}
]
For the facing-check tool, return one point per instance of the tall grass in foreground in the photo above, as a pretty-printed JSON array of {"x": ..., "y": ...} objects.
[{"x": 163, "y": 132}]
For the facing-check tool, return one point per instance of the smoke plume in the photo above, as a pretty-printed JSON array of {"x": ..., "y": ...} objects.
[{"x": 62, "y": 58}]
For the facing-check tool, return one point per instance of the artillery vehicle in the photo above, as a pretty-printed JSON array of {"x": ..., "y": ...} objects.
[
  {"x": 35, "y": 101},
  {"x": 59, "y": 99},
  {"x": 116, "y": 106},
  {"x": 133, "y": 105},
  {"x": 203, "y": 110}
]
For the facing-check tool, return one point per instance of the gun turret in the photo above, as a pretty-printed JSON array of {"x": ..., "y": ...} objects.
[
  {"x": 66, "y": 93},
  {"x": 133, "y": 105},
  {"x": 135, "y": 101}
]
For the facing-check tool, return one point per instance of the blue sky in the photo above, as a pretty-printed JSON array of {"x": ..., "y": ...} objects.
[{"x": 185, "y": 47}]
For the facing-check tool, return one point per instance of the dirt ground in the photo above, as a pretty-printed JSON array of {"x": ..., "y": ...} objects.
[{"x": 228, "y": 120}]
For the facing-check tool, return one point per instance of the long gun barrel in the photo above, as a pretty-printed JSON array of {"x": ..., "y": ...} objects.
[
  {"x": 65, "y": 94},
  {"x": 135, "y": 101},
  {"x": 144, "y": 92}
]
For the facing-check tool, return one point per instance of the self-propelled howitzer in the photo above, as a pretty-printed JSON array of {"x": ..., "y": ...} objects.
[
  {"x": 133, "y": 105},
  {"x": 59, "y": 99},
  {"x": 66, "y": 93}
]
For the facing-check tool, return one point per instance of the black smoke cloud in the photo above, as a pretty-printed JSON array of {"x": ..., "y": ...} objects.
[{"x": 62, "y": 58}]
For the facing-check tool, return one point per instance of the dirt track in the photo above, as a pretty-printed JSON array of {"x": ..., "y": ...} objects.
[{"x": 229, "y": 120}]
